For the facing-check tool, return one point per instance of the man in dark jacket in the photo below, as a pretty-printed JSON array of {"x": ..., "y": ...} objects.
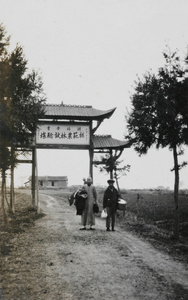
[{"x": 110, "y": 203}]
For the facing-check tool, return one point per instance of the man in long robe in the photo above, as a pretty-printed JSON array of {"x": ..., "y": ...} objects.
[{"x": 88, "y": 216}]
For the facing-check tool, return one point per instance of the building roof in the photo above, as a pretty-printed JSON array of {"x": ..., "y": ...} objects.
[
  {"x": 107, "y": 142},
  {"x": 62, "y": 111},
  {"x": 53, "y": 178}
]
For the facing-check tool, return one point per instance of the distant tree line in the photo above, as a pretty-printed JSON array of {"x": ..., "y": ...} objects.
[{"x": 21, "y": 105}]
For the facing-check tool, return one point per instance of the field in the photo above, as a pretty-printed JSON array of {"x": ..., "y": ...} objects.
[{"x": 149, "y": 214}]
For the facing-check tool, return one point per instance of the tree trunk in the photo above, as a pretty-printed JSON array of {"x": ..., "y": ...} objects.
[
  {"x": 91, "y": 155},
  {"x": 176, "y": 192},
  {"x": 33, "y": 181},
  {"x": 12, "y": 196},
  {"x": 111, "y": 165},
  {"x": 3, "y": 197}
]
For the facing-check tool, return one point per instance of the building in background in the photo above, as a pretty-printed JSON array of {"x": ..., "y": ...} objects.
[
  {"x": 53, "y": 182},
  {"x": 59, "y": 182}
]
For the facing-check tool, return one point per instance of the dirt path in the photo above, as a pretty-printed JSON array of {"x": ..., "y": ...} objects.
[{"x": 55, "y": 260}]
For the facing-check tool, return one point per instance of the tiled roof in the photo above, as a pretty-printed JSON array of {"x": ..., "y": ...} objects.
[
  {"x": 53, "y": 178},
  {"x": 76, "y": 112},
  {"x": 107, "y": 142}
]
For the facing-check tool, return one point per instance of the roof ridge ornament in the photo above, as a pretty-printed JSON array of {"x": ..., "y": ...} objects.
[{"x": 68, "y": 105}]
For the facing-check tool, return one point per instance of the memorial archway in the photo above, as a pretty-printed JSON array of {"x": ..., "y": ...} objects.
[{"x": 73, "y": 127}]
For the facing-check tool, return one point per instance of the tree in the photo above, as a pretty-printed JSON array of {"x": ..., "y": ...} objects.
[
  {"x": 110, "y": 164},
  {"x": 21, "y": 103},
  {"x": 159, "y": 116}
]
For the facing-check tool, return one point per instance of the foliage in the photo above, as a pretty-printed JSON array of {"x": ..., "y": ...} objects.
[
  {"x": 21, "y": 96},
  {"x": 107, "y": 163},
  {"x": 160, "y": 108},
  {"x": 24, "y": 99}
]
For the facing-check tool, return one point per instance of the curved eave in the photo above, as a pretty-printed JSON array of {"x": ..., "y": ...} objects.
[
  {"x": 107, "y": 142},
  {"x": 66, "y": 112}
]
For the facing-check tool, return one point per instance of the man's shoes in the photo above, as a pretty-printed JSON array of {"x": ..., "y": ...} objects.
[
  {"x": 91, "y": 228},
  {"x": 113, "y": 229},
  {"x": 83, "y": 228},
  {"x": 107, "y": 229}
]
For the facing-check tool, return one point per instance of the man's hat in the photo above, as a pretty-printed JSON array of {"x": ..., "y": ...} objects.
[{"x": 110, "y": 180}]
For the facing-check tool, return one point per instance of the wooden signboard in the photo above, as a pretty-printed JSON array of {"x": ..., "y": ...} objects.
[{"x": 63, "y": 135}]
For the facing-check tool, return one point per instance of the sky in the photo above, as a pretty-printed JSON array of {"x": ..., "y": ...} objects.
[{"x": 90, "y": 52}]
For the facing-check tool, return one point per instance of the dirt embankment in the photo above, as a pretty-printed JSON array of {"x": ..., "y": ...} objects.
[{"x": 55, "y": 260}]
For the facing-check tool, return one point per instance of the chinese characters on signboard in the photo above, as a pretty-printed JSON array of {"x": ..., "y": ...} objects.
[{"x": 63, "y": 134}]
